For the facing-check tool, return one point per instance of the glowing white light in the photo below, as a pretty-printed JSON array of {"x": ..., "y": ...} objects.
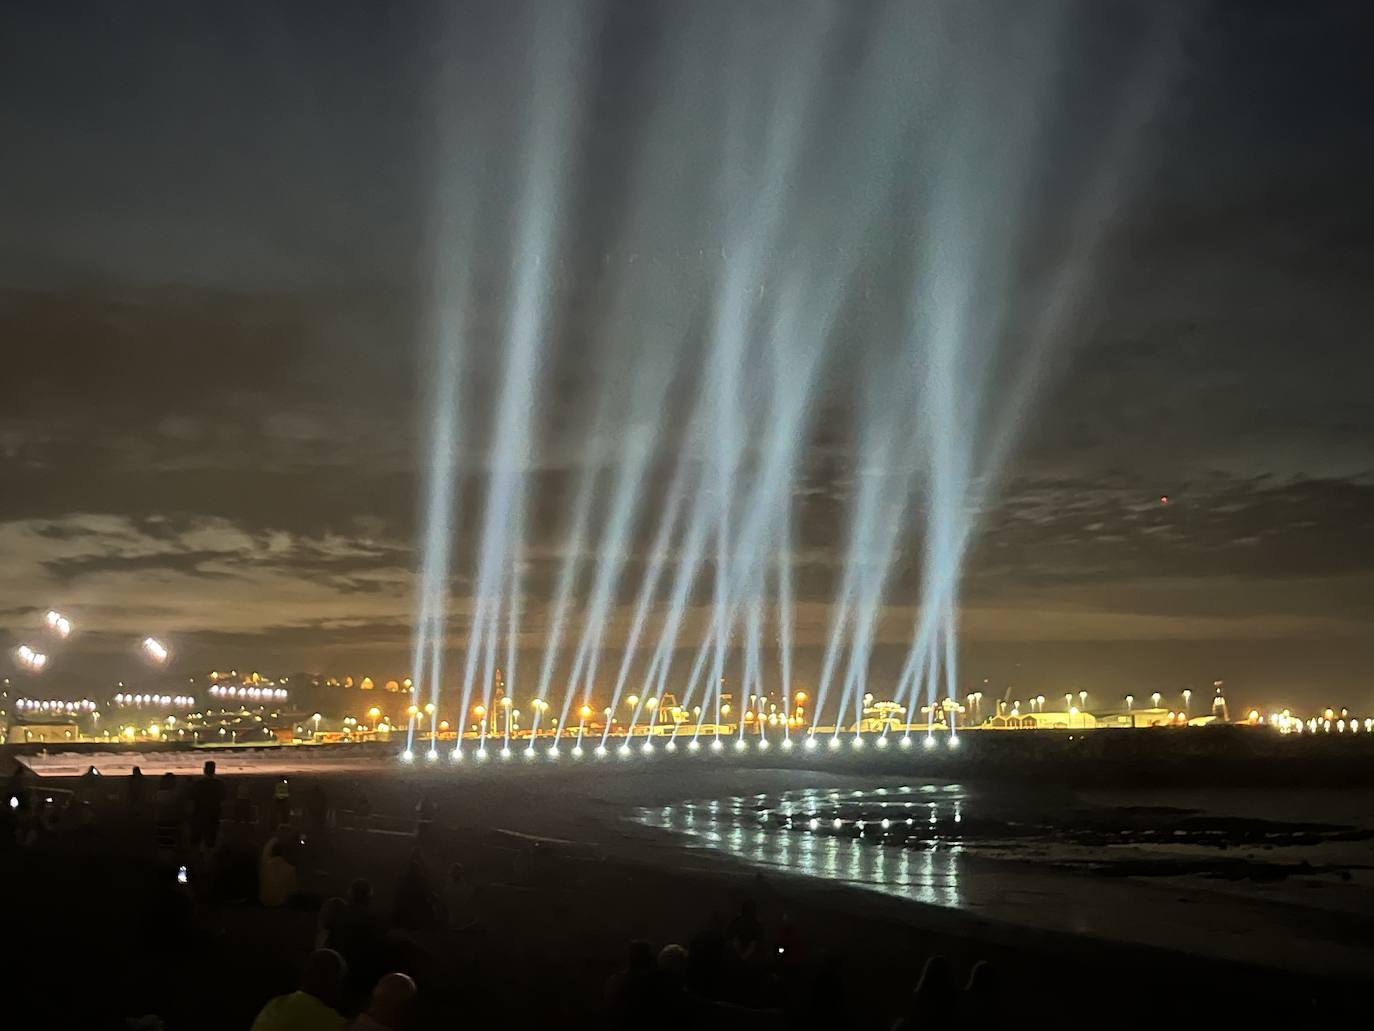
[
  {"x": 906, "y": 740},
  {"x": 834, "y": 743},
  {"x": 624, "y": 750},
  {"x": 880, "y": 743},
  {"x": 814, "y": 824},
  {"x": 786, "y": 744},
  {"x": 954, "y": 741},
  {"x": 456, "y": 755},
  {"x": 740, "y": 745},
  {"x": 693, "y": 745},
  {"x": 577, "y": 752},
  {"x": 481, "y": 753},
  {"x": 811, "y": 744},
  {"x": 648, "y": 748},
  {"x": 552, "y": 753},
  {"x": 432, "y": 755},
  {"x": 155, "y": 649},
  {"x": 858, "y": 742},
  {"x": 716, "y": 746},
  {"x": 671, "y": 746},
  {"x": 886, "y": 823},
  {"x": 505, "y": 752},
  {"x": 30, "y": 659},
  {"x": 930, "y": 741},
  {"x": 600, "y": 751},
  {"x": 58, "y": 623},
  {"x": 407, "y": 756},
  {"x": 763, "y": 744},
  {"x": 837, "y": 823}
]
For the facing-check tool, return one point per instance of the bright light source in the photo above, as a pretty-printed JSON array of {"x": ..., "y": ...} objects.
[
  {"x": 30, "y": 659},
  {"x": 716, "y": 746},
  {"x": 954, "y": 741},
  {"x": 648, "y": 748},
  {"x": 693, "y": 745},
  {"x": 505, "y": 752},
  {"x": 432, "y": 755},
  {"x": 456, "y": 755},
  {"x": 834, "y": 743},
  {"x": 906, "y": 740},
  {"x": 407, "y": 756},
  {"x": 740, "y": 745},
  {"x": 671, "y": 746},
  {"x": 810, "y": 744},
  {"x": 155, "y": 649},
  {"x": 763, "y": 744},
  {"x": 58, "y": 623},
  {"x": 880, "y": 743},
  {"x": 930, "y": 740},
  {"x": 600, "y": 750}
]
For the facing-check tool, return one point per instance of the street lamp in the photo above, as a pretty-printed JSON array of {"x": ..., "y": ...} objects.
[
  {"x": 1082, "y": 699},
  {"x": 316, "y": 719},
  {"x": 1187, "y": 700},
  {"x": 1155, "y": 699},
  {"x": 374, "y": 713},
  {"x": 1130, "y": 700}
]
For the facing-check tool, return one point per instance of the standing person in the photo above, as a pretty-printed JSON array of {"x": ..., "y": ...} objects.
[
  {"x": 134, "y": 789},
  {"x": 207, "y": 799},
  {"x": 281, "y": 800},
  {"x": 167, "y": 814}
]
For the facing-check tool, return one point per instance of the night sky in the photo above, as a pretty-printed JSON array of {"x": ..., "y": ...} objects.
[{"x": 217, "y": 249}]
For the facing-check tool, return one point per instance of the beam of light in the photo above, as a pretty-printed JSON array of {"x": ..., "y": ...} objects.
[
  {"x": 573, "y": 547},
  {"x": 968, "y": 465},
  {"x": 488, "y": 646},
  {"x": 615, "y": 540},
  {"x": 750, "y": 681},
  {"x": 784, "y": 620},
  {"x": 648, "y": 587},
  {"x": 513, "y": 606},
  {"x": 762, "y": 189},
  {"x": 554, "y": 47},
  {"x": 870, "y": 154}
]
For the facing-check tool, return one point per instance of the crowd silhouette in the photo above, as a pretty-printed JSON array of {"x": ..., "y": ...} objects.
[{"x": 376, "y": 959}]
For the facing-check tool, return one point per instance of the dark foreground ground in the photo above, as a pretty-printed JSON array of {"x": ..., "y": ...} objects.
[{"x": 97, "y": 930}]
